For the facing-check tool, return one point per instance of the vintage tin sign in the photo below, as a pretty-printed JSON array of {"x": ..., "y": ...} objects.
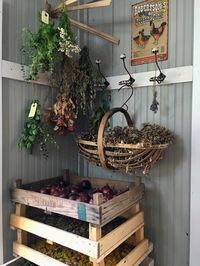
[{"x": 149, "y": 30}]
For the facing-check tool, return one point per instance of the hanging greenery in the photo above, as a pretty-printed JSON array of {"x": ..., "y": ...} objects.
[
  {"x": 84, "y": 83},
  {"x": 48, "y": 46},
  {"x": 35, "y": 132}
]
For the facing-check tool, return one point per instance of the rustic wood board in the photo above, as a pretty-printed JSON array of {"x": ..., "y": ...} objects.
[
  {"x": 35, "y": 256},
  {"x": 135, "y": 255},
  {"x": 147, "y": 262},
  {"x": 71, "y": 208},
  {"x": 115, "y": 207},
  {"x": 15, "y": 262},
  {"x": 112, "y": 240},
  {"x": 100, "y": 215},
  {"x": 69, "y": 240}
]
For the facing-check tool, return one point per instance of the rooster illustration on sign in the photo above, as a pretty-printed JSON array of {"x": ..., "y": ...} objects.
[
  {"x": 156, "y": 33},
  {"x": 142, "y": 39}
]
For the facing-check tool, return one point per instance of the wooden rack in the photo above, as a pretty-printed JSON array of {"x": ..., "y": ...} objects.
[{"x": 97, "y": 247}]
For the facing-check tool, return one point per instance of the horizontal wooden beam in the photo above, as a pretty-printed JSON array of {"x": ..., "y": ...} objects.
[
  {"x": 58, "y": 7},
  {"x": 173, "y": 76},
  {"x": 64, "y": 238},
  {"x": 14, "y": 71},
  {"x": 35, "y": 256},
  {"x": 177, "y": 75},
  {"x": 97, "y": 4},
  {"x": 100, "y": 34}
]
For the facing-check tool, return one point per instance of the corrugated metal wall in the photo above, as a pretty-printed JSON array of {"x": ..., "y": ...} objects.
[
  {"x": 167, "y": 197},
  {"x": 166, "y": 203},
  {"x": 17, "y": 97}
]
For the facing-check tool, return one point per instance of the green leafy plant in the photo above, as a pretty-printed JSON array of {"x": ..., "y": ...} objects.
[
  {"x": 35, "y": 132},
  {"x": 48, "y": 46}
]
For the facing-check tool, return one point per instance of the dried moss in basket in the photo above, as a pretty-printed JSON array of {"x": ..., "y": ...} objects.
[
  {"x": 155, "y": 134},
  {"x": 149, "y": 135}
]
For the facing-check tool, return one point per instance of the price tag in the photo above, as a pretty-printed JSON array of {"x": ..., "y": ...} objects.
[
  {"x": 33, "y": 110},
  {"x": 45, "y": 17}
]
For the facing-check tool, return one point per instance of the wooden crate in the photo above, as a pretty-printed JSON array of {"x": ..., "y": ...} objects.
[
  {"x": 97, "y": 247},
  {"x": 99, "y": 214}
]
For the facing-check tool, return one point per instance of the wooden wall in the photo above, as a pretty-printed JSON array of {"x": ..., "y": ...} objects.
[
  {"x": 167, "y": 197},
  {"x": 17, "y": 97}
]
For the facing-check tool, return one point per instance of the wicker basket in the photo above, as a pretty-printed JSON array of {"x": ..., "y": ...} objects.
[{"x": 129, "y": 158}]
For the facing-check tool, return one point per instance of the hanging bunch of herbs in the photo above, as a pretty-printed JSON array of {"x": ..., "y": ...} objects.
[
  {"x": 48, "y": 46},
  {"x": 35, "y": 132},
  {"x": 84, "y": 83}
]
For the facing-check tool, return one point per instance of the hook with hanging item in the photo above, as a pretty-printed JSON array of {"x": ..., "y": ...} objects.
[
  {"x": 159, "y": 79},
  {"x": 126, "y": 83},
  {"x": 105, "y": 84}
]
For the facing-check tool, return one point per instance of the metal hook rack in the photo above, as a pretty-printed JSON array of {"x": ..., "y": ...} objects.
[
  {"x": 105, "y": 84},
  {"x": 161, "y": 77},
  {"x": 126, "y": 83}
]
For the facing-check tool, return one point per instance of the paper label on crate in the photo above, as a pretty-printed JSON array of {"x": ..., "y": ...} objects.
[
  {"x": 45, "y": 17},
  {"x": 82, "y": 212},
  {"x": 33, "y": 110}
]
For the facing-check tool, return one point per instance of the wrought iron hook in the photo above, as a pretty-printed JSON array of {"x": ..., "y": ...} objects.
[
  {"x": 126, "y": 83},
  {"x": 131, "y": 80},
  {"x": 159, "y": 79},
  {"x": 106, "y": 83}
]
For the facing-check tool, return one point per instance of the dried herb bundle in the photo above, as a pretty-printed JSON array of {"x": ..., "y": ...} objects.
[{"x": 84, "y": 80}]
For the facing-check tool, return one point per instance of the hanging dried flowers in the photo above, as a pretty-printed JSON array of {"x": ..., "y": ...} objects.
[
  {"x": 64, "y": 115},
  {"x": 66, "y": 45}
]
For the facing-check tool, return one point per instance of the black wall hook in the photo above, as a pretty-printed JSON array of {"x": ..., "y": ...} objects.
[
  {"x": 159, "y": 79},
  {"x": 131, "y": 80},
  {"x": 126, "y": 83},
  {"x": 106, "y": 83}
]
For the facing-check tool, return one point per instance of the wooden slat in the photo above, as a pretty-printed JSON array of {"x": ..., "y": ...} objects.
[
  {"x": 114, "y": 207},
  {"x": 100, "y": 34},
  {"x": 135, "y": 255},
  {"x": 90, "y": 5},
  {"x": 66, "y": 239},
  {"x": 146, "y": 254},
  {"x": 147, "y": 262},
  {"x": 58, "y": 205},
  {"x": 35, "y": 256},
  {"x": 95, "y": 232},
  {"x": 15, "y": 262},
  {"x": 112, "y": 240},
  {"x": 67, "y": 2},
  {"x": 21, "y": 235}
]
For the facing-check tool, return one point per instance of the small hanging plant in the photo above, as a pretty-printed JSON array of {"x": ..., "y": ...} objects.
[
  {"x": 48, "y": 46},
  {"x": 35, "y": 131}
]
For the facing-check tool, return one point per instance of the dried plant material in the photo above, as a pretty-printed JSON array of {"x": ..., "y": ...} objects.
[{"x": 64, "y": 115}]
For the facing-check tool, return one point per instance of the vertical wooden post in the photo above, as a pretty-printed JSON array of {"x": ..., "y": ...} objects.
[
  {"x": 95, "y": 232},
  {"x": 20, "y": 211},
  {"x": 21, "y": 235}
]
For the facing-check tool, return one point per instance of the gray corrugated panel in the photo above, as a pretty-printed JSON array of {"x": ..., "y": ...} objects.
[
  {"x": 17, "y": 97},
  {"x": 166, "y": 203}
]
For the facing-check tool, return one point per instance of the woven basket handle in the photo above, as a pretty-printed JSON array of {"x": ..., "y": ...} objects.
[{"x": 102, "y": 128}]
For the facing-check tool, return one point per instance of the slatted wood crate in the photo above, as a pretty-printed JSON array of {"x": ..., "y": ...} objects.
[
  {"x": 99, "y": 214},
  {"x": 97, "y": 247}
]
